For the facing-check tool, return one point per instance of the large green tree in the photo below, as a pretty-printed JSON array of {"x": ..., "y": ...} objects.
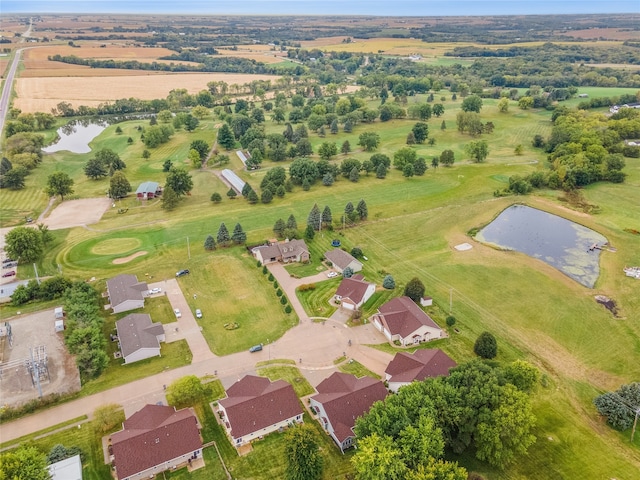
[
  {"x": 478, "y": 150},
  {"x": 369, "y": 141},
  {"x": 486, "y": 345},
  {"x": 238, "y": 236},
  {"x": 179, "y": 180},
  {"x": 24, "y": 244},
  {"x": 225, "y": 137},
  {"x": 378, "y": 458},
  {"x": 223, "y": 236},
  {"x": 24, "y": 463},
  {"x": 304, "y": 461},
  {"x": 170, "y": 198},
  {"x": 119, "y": 186},
  {"x": 414, "y": 289},
  {"x": 59, "y": 183},
  {"x": 186, "y": 392},
  {"x": 472, "y": 103},
  {"x": 96, "y": 169}
]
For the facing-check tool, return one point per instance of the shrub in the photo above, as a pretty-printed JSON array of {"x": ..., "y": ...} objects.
[
  {"x": 270, "y": 277},
  {"x": 265, "y": 269},
  {"x": 279, "y": 292},
  {"x": 307, "y": 286},
  {"x": 451, "y": 320},
  {"x": 389, "y": 283},
  {"x": 287, "y": 309},
  {"x": 486, "y": 346},
  {"x": 275, "y": 284},
  {"x": 283, "y": 300}
]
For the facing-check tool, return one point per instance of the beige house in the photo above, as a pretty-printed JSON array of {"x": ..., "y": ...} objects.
[
  {"x": 354, "y": 292},
  {"x": 126, "y": 293},
  {"x": 401, "y": 320},
  {"x": 285, "y": 252},
  {"x": 139, "y": 338},
  {"x": 341, "y": 260}
]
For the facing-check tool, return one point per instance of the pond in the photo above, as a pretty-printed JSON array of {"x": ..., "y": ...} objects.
[
  {"x": 75, "y": 136},
  {"x": 561, "y": 243}
]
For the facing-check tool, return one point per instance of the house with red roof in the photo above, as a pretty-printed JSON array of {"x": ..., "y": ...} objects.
[
  {"x": 155, "y": 439},
  {"x": 256, "y": 406},
  {"x": 415, "y": 367},
  {"x": 401, "y": 320},
  {"x": 341, "y": 399},
  {"x": 353, "y": 292}
]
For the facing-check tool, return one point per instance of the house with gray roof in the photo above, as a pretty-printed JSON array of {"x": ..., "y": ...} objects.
[
  {"x": 126, "y": 293},
  {"x": 341, "y": 260},
  {"x": 155, "y": 439},
  {"x": 139, "y": 338},
  {"x": 415, "y": 367},
  {"x": 401, "y": 320},
  {"x": 256, "y": 406},
  {"x": 233, "y": 180},
  {"x": 341, "y": 399},
  {"x": 286, "y": 252},
  {"x": 353, "y": 292}
]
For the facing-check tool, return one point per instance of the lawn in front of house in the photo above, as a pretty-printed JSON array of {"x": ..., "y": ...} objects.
[{"x": 290, "y": 375}]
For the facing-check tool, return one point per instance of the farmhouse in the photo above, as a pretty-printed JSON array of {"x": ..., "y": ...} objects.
[
  {"x": 155, "y": 439},
  {"x": 126, "y": 293},
  {"x": 340, "y": 400},
  {"x": 234, "y": 180},
  {"x": 148, "y": 190},
  {"x": 406, "y": 368},
  {"x": 139, "y": 338},
  {"x": 401, "y": 320},
  {"x": 255, "y": 406},
  {"x": 285, "y": 252},
  {"x": 67, "y": 469},
  {"x": 341, "y": 260},
  {"x": 354, "y": 292}
]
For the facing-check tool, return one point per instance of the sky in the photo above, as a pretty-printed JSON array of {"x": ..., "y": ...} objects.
[{"x": 324, "y": 7}]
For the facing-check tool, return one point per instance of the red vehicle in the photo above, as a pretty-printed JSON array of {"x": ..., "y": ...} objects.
[{"x": 11, "y": 273}]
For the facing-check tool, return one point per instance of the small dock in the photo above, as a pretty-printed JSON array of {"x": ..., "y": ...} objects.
[{"x": 604, "y": 247}]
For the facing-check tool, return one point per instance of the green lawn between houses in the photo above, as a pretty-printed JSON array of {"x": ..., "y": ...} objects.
[{"x": 535, "y": 312}]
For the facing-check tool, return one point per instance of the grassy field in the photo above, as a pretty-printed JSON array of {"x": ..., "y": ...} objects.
[
  {"x": 535, "y": 312},
  {"x": 290, "y": 375}
]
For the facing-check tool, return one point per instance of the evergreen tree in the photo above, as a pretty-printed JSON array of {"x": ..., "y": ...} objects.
[
  {"x": 348, "y": 126},
  {"x": 327, "y": 217},
  {"x": 388, "y": 282},
  {"x": 209, "y": 243},
  {"x": 347, "y": 272},
  {"x": 223, "y": 235},
  {"x": 246, "y": 189},
  {"x": 411, "y": 139},
  {"x": 231, "y": 194},
  {"x": 170, "y": 198},
  {"x": 443, "y": 125},
  {"x": 309, "y": 232},
  {"x": 306, "y": 185},
  {"x": 414, "y": 289},
  {"x": 226, "y": 138},
  {"x": 278, "y": 228},
  {"x": 354, "y": 174},
  {"x": 327, "y": 179},
  {"x": 291, "y": 223},
  {"x": 348, "y": 210},
  {"x": 314, "y": 217},
  {"x": 381, "y": 171},
  {"x": 238, "y": 236},
  {"x": 266, "y": 196},
  {"x": 334, "y": 126},
  {"x": 363, "y": 211},
  {"x": 346, "y": 147},
  {"x": 280, "y": 191},
  {"x": 216, "y": 197}
]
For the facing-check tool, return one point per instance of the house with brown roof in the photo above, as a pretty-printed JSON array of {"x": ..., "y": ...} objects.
[
  {"x": 126, "y": 293},
  {"x": 155, "y": 439},
  {"x": 256, "y": 406},
  {"x": 285, "y": 252},
  {"x": 406, "y": 367},
  {"x": 353, "y": 292},
  {"x": 139, "y": 338},
  {"x": 341, "y": 260},
  {"x": 401, "y": 320},
  {"x": 341, "y": 399}
]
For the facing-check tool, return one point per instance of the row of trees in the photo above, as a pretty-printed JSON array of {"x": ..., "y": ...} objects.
[{"x": 224, "y": 239}]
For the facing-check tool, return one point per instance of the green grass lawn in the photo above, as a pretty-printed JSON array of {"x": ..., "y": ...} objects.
[
  {"x": 356, "y": 368},
  {"x": 290, "y": 375},
  {"x": 316, "y": 301}
]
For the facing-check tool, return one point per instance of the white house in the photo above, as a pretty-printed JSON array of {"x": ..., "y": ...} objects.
[
  {"x": 400, "y": 319},
  {"x": 406, "y": 367},
  {"x": 341, "y": 399},
  {"x": 139, "y": 337},
  {"x": 126, "y": 293},
  {"x": 67, "y": 469},
  {"x": 341, "y": 260},
  {"x": 256, "y": 406},
  {"x": 354, "y": 292}
]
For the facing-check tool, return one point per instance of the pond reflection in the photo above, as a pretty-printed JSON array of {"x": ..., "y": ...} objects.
[{"x": 75, "y": 136}]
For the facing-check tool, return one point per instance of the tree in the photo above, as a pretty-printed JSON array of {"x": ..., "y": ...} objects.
[
  {"x": 209, "y": 243},
  {"x": 170, "y": 198},
  {"x": 388, "y": 282},
  {"x": 346, "y": 147},
  {"x": 24, "y": 244},
  {"x": 414, "y": 289},
  {"x": 327, "y": 179},
  {"x": 226, "y": 138},
  {"x": 411, "y": 139},
  {"x": 304, "y": 460},
  {"x": 59, "y": 183},
  {"x": 486, "y": 346},
  {"x": 349, "y": 211},
  {"x": 403, "y": 157},
  {"x": 447, "y": 157},
  {"x": 421, "y": 441},
  {"x": 146, "y": 154},
  {"x": 503, "y": 105},
  {"x": 435, "y": 161},
  {"x": 179, "y": 180},
  {"x": 472, "y": 103},
  {"x": 216, "y": 197},
  {"x": 238, "y": 236},
  {"x": 619, "y": 406},
  {"x": 314, "y": 217},
  {"x": 525, "y": 103},
  {"x": 223, "y": 237},
  {"x": 420, "y": 132},
  {"x": 164, "y": 116},
  {"x": 309, "y": 232},
  {"x": 378, "y": 458},
  {"x": 408, "y": 170},
  {"x": 420, "y": 166},
  {"x": 194, "y": 158},
  {"x": 478, "y": 150},
  {"x": 381, "y": 171},
  {"x": 252, "y": 197},
  {"x": 347, "y": 272},
  {"x": 369, "y": 141},
  {"x": 362, "y": 210},
  {"x": 119, "y": 186},
  {"x": 278, "y": 228},
  {"x": 354, "y": 174},
  {"x": 327, "y": 217},
  {"x": 304, "y": 148},
  {"x": 443, "y": 125},
  {"x": 327, "y": 150},
  {"x": 26, "y": 462},
  {"x": 518, "y": 150},
  {"x": 5, "y": 165},
  {"x": 202, "y": 147},
  {"x": 156, "y": 135},
  {"x": 186, "y": 392},
  {"x": 95, "y": 169},
  {"x": 291, "y": 223},
  {"x": 266, "y": 196},
  {"x": 14, "y": 179},
  {"x": 522, "y": 374},
  {"x": 438, "y": 109}
]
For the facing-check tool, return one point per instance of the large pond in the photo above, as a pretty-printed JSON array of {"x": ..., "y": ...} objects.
[
  {"x": 75, "y": 136},
  {"x": 557, "y": 241}
]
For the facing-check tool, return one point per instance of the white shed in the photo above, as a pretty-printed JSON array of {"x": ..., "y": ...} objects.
[
  {"x": 58, "y": 312},
  {"x": 59, "y": 326}
]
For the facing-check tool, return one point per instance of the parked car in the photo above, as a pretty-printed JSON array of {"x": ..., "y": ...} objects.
[
  {"x": 256, "y": 348},
  {"x": 9, "y": 260},
  {"x": 332, "y": 274},
  {"x": 182, "y": 273},
  {"x": 177, "y": 312},
  {"x": 9, "y": 265},
  {"x": 11, "y": 273},
  {"x": 153, "y": 291},
  {"x": 198, "y": 313}
]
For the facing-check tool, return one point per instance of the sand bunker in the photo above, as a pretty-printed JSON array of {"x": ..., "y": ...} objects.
[
  {"x": 120, "y": 261},
  {"x": 463, "y": 247}
]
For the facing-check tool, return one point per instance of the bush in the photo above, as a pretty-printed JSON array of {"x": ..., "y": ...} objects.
[
  {"x": 275, "y": 284},
  {"x": 270, "y": 277},
  {"x": 259, "y": 264},
  {"x": 287, "y": 309},
  {"x": 265, "y": 270},
  {"x": 389, "y": 283},
  {"x": 451, "y": 320},
  {"x": 486, "y": 346},
  {"x": 307, "y": 286},
  {"x": 279, "y": 292},
  {"x": 283, "y": 300}
]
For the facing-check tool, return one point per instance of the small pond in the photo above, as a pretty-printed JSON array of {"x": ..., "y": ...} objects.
[
  {"x": 561, "y": 243},
  {"x": 75, "y": 136}
]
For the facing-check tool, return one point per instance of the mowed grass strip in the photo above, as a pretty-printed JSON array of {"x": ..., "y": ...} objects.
[{"x": 290, "y": 375}]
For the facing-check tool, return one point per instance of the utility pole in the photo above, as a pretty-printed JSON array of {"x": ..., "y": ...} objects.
[
  {"x": 188, "y": 249},
  {"x": 35, "y": 269},
  {"x": 450, "y": 300},
  {"x": 635, "y": 422}
]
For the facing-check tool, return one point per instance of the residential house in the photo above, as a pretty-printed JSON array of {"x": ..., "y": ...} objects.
[
  {"x": 67, "y": 469},
  {"x": 341, "y": 399},
  {"x": 341, "y": 260},
  {"x": 285, "y": 252},
  {"x": 406, "y": 367},
  {"x": 148, "y": 190},
  {"x": 354, "y": 292},
  {"x": 126, "y": 293},
  {"x": 155, "y": 439},
  {"x": 139, "y": 338},
  {"x": 401, "y": 320},
  {"x": 256, "y": 406}
]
